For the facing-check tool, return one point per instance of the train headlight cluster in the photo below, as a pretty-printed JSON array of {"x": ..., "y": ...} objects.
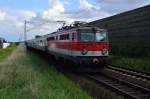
[
  {"x": 95, "y": 60},
  {"x": 84, "y": 51},
  {"x": 104, "y": 51}
]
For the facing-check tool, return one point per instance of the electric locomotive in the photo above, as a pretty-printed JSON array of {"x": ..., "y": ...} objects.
[{"x": 84, "y": 45}]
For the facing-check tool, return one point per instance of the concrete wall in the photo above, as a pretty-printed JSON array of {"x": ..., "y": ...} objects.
[{"x": 129, "y": 32}]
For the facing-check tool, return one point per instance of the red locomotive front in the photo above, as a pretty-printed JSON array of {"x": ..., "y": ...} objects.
[{"x": 82, "y": 45}]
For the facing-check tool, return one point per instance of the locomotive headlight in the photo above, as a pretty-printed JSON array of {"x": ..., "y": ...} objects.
[
  {"x": 84, "y": 51},
  {"x": 95, "y": 60},
  {"x": 104, "y": 51}
]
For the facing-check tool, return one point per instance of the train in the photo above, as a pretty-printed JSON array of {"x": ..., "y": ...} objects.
[{"x": 78, "y": 44}]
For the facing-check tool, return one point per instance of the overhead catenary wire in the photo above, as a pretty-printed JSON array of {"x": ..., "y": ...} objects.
[{"x": 37, "y": 26}]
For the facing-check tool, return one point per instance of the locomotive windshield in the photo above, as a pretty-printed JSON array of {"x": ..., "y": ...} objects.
[
  {"x": 89, "y": 36},
  {"x": 86, "y": 37},
  {"x": 101, "y": 36}
]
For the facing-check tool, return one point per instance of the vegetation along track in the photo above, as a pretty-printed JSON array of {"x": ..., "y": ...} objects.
[{"x": 121, "y": 86}]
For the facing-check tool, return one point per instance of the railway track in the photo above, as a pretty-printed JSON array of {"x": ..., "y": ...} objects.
[
  {"x": 130, "y": 72},
  {"x": 122, "y": 87},
  {"x": 117, "y": 80},
  {"x": 129, "y": 83}
]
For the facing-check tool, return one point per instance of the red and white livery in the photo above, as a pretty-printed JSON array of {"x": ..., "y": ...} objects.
[{"x": 79, "y": 44}]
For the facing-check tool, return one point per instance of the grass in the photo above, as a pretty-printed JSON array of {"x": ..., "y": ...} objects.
[
  {"x": 6, "y": 52},
  {"x": 140, "y": 64},
  {"x": 120, "y": 97},
  {"x": 27, "y": 76}
]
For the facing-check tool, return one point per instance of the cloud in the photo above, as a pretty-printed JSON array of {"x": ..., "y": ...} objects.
[
  {"x": 55, "y": 10},
  {"x": 122, "y": 1},
  {"x": 84, "y": 4},
  {"x": 14, "y": 21},
  {"x": 87, "y": 12},
  {"x": 2, "y": 15},
  {"x": 11, "y": 23},
  {"x": 24, "y": 14},
  {"x": 118, "y": 6}
]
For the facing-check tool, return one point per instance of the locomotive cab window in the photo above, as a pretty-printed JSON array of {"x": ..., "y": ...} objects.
[
  {"x": 101, "y": 36},
  {"x": 87, "y": 35},
  {"x": 93, "y": 36}
]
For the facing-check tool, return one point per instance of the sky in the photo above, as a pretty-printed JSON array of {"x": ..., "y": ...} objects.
[{"x": 41, "y": 14}]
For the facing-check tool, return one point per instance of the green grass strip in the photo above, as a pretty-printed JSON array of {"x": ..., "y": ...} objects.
[
  {"x": 140, "y": 64},
  {"x": 4, "y": 53},
  {"x": 27, "y": 76}
]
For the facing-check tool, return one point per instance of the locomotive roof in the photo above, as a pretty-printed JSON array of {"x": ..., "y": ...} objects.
[
  {"x": 75, "y": 28},
  {"x": 62, "y": 30}
]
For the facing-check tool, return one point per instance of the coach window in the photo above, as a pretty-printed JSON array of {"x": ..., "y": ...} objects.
[
  {"x": 61, "y": 37},
  {"x": 56, "y": 37},
  {"x": 67, "y": 36},
  {"x": 73, "y": 36},
  {"x": 51, "y": 38},
  {"x": 64, "y": 37}
]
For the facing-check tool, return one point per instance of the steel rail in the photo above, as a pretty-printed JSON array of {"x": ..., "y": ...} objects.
[
  {"x": 125, "y": 88},
  {"x": 131, "y": 72}
]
